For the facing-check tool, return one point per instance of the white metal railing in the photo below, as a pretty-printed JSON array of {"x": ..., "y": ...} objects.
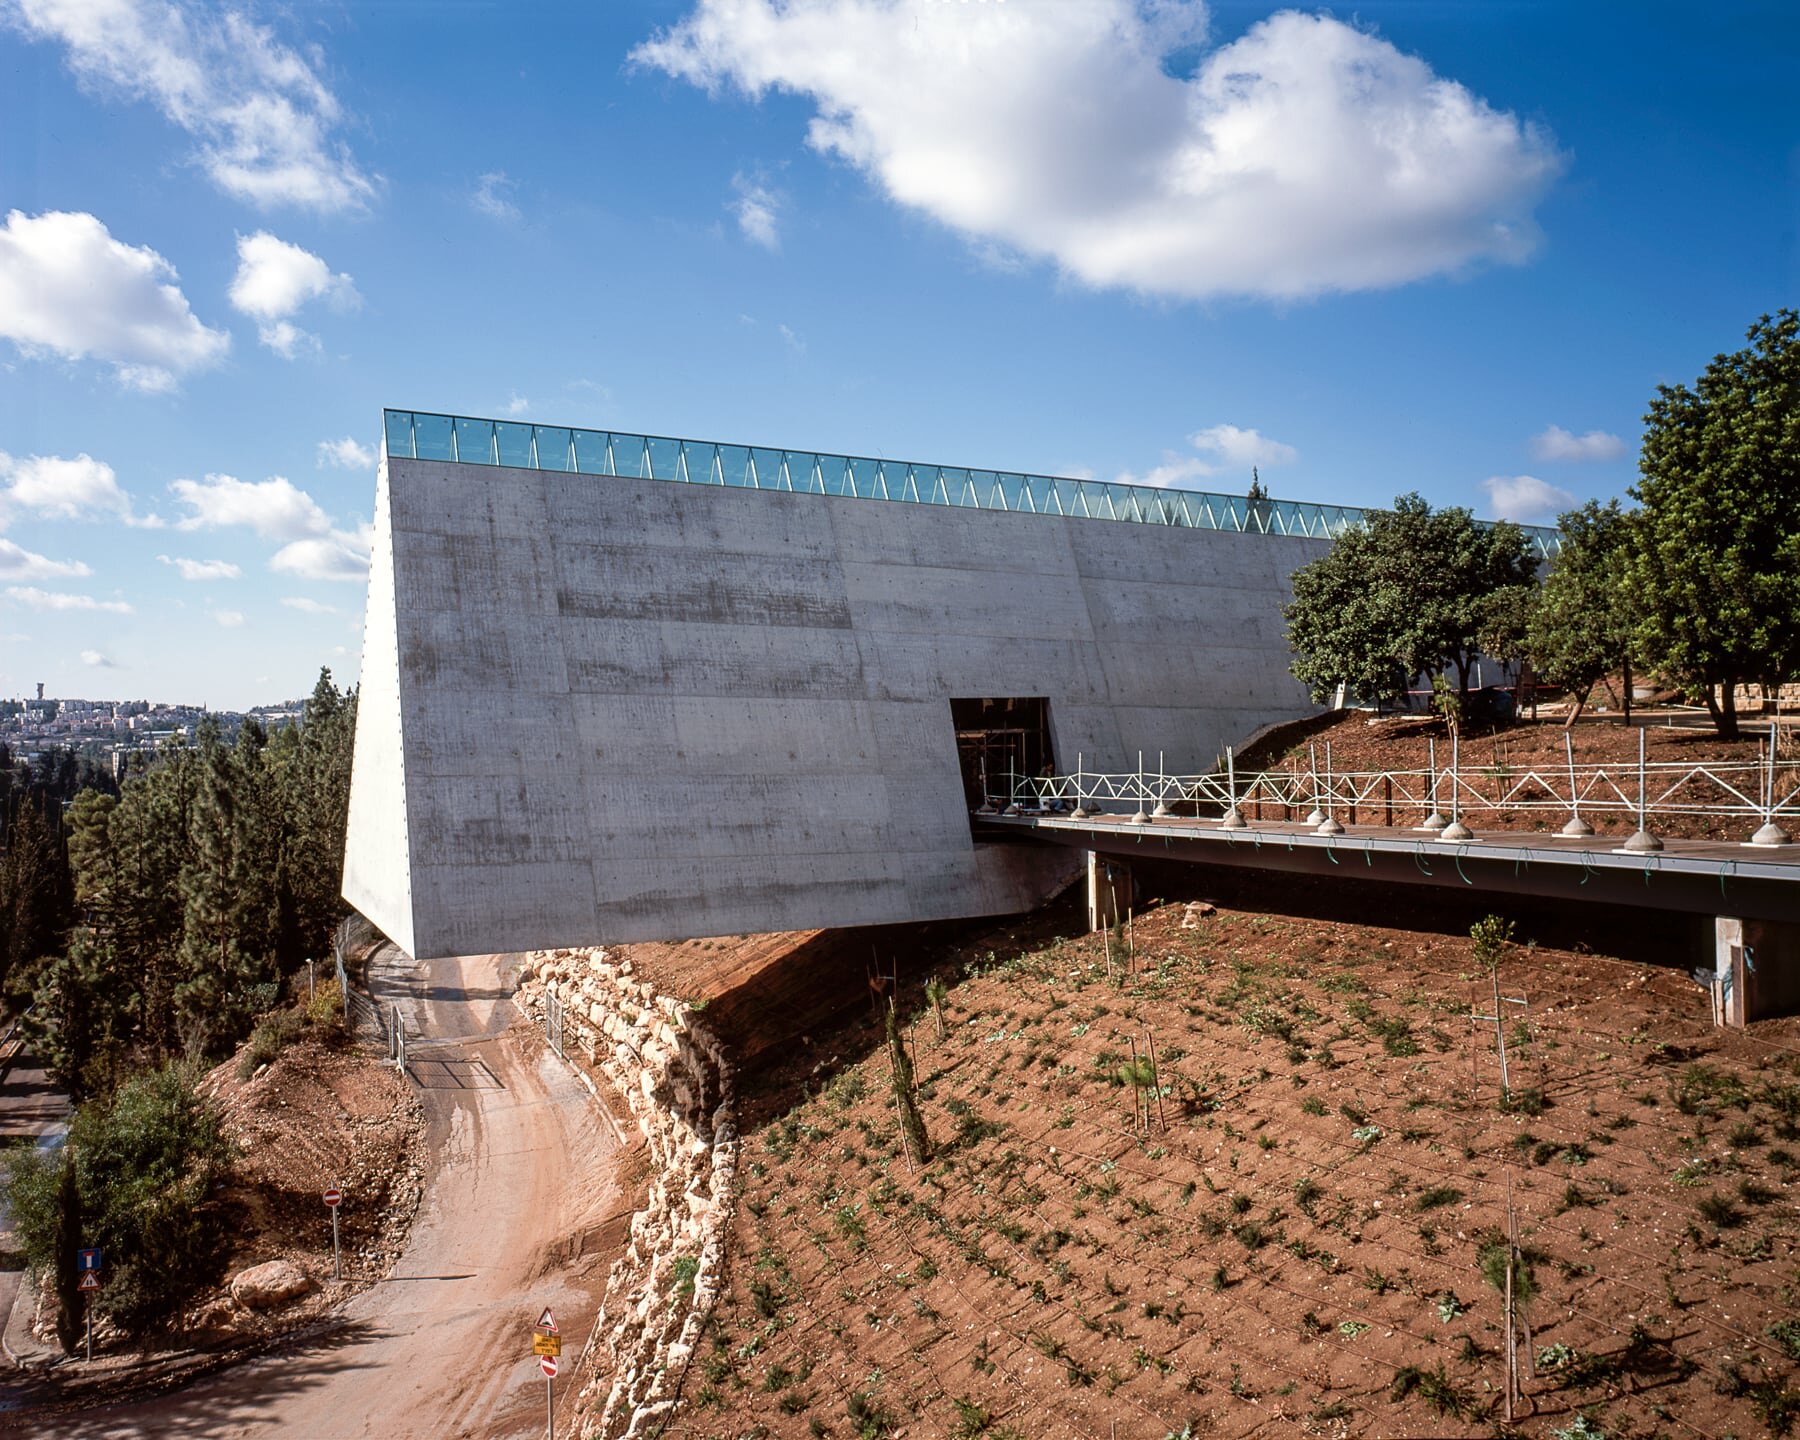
[{"x": 1760, "y": 797}]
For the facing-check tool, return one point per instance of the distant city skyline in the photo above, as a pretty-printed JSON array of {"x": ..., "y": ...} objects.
[{"x": 1447, "y": 248}]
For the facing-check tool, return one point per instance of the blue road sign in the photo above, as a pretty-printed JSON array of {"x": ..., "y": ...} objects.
[{"x": 86, "y": 1260}]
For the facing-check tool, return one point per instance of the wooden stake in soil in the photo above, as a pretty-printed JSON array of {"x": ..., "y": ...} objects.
[
  {"x": 1135, "y": 1088},
  {"x": 1162, "y": 1120}
]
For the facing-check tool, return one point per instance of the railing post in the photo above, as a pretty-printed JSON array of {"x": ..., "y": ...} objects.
[
  {"x": 1577, "y": 828},
  {"x": 1642, "y": 842},
  {"x": 1434, "y": 821},
  {"x": 1455, "y": 832},
  {"x": 1770, "y": 834},
  {"x": 1233, "y": 819},
  {"x": 1328, "y": 825},
  {"x": 1317, "y": 817},
  {"x": 1142, "y": 817}
]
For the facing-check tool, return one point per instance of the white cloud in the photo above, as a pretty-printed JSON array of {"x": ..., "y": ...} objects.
[
  {"x": 493, "y": 196},
  {"x": 1556, "y": 443},
  {"x": 758, "y": 209},
  {"x": 1303, "y": 157},
  {"x": 275, "y": 509},
  {"x": 338, "y": 555},
  {"x": 202, "y": 569},
  {"x": 1526, "y": 499},
  {"x": 54, "y": 488},
  {"x": 516, "y": 405},
  {"x": 230, "y": 619},
  {"x": 346, "y": 454},
  {"x": 1226, "y": 450},
  {"x": 1240, "y": 449},
  {"x": 791, "y": 339},
  {"x": 31, "y": 596},
  {"x": 264, "y": 121},
  {"x": 18, "y": 563},
  {"x": 68, "y": 287},
  {"x": 274, "y": 279},
  {"x": 308, "y": 606},
  {"x": 97, "y": 660}
]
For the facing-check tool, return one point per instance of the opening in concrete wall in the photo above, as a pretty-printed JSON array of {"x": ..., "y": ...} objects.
[{"x": 1001, "y": 741}]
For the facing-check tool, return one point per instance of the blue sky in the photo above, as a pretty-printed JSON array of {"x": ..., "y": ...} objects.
[{"x": 1450, "y": 247}]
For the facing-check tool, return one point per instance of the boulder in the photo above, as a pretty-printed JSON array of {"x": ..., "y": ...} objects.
[{"x": 275, "y": 1282}]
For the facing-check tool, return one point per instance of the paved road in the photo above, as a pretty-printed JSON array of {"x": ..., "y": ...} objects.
[{"x": 520, "y": 1163}]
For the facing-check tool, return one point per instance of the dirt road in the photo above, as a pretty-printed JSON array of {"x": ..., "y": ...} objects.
[{"x": 521, "y": 1165}]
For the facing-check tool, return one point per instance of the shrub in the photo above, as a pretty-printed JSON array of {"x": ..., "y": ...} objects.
[
  {"x": 326, "y": 1008},
  {"x": 273, "y": 1035},
  {"x": 145, "y": 1163}
]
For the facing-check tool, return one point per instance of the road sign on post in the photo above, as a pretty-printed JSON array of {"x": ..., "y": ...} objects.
[
  {"x": 548, "y": 1363},
  {"x": 89, "y": 1260},
  {"x": 89, "y": 1281},
  {"x": 547, "y": 1321},
  {"x": 546, "y": 1344},
  {"x": 334, "y": 1197}
]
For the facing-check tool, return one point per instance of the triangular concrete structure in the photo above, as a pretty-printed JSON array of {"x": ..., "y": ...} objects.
[{"x": 377, "y": 858}]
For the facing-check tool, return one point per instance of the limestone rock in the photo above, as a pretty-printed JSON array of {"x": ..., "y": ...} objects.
[{"x": 273, "y": 1283}]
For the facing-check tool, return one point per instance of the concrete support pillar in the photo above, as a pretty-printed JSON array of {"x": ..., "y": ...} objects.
[
  {"x": 1756, "y": 970},
  {"x": 1108, "y": 891}
]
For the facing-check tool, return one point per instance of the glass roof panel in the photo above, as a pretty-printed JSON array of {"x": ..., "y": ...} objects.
[
  {"x": 396, "y": 429},
  {"x": 434, "y": 437},
  {"x": 768, "y": 472},
  {"x": 662, "y": 458},
  {"x": 550, "y": 447},
  {"x": 474, "y": 441},
  {"x": 734, "y": 466},
  {"x": 513, "y": 444}
]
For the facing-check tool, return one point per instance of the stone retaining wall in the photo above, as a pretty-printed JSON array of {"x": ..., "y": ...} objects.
[{"x": 674, "y": 1077}]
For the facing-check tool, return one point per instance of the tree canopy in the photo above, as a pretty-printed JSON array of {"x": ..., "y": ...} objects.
[
  {"x": 1715, "y": 573},
  {"x": 1409, "y": 591},
  {"x": 1581, "y": 625},
  {"x": 211, "y": 876}
]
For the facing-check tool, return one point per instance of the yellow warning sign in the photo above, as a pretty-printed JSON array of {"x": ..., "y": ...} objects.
[{"x": 542, "y": 1344}]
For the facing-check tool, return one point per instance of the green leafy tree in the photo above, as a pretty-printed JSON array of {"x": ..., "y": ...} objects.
[
  {"x": 143, "y": 1166},
  {"x": 228, "y": 889},
  {"x": 1715, "y": 572},
  {"x": 36, "y": 893},
  {"x": 1581, "y": 625},
  {"x": 1406, "y": 593}
]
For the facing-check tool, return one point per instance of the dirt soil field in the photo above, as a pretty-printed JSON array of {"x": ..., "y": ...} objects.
[
  {"x": 317, "y": 1117},
  {"x": 1499, "y": 761},
  {"x": 1278, "y": 1230}
]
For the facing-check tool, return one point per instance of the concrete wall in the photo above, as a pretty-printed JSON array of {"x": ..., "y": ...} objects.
[{"x": 635, "y": 709}]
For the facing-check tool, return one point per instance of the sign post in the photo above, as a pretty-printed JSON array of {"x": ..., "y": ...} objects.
[
  {"x": 546, "y": 1344},
  {"x": 87, "y": 1264},
  {"x": 334, "y": 1197}
]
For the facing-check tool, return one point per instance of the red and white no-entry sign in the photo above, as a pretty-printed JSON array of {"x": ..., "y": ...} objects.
[
  {"x": 548, "y": 1364},
  {"x": 334, "y": 1197}
]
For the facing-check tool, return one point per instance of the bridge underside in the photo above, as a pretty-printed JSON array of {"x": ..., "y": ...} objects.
[{"x": 1751, "y": 895}]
